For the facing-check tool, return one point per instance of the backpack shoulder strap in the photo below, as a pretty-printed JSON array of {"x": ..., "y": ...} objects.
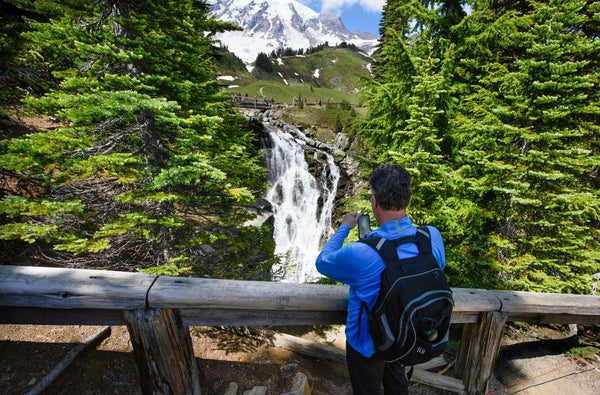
[
  {"x": 387, "y": 248},
  {"x": 423, "y": 240}
]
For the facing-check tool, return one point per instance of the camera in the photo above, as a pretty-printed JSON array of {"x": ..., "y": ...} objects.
[{"x": 364, "y": 226}]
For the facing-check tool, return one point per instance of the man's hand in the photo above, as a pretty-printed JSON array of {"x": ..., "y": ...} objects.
[{"x": 351, "y": 219}]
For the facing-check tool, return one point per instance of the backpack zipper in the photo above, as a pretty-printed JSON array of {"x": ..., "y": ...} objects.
[{"x": 448, "y": 298}]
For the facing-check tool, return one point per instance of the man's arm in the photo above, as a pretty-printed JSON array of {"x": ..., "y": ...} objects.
[{"x": 335, "y": 261}]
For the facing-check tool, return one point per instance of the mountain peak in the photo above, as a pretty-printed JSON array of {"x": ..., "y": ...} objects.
[{"x": 277, "y": 24}]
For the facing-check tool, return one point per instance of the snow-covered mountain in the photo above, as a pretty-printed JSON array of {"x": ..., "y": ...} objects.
[{"x": 273, "y": 24}]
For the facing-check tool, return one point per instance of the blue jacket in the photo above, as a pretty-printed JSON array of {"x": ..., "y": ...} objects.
[{"x": 360, "y": 266}]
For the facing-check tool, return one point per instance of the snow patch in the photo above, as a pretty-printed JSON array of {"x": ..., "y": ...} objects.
[
  {"x": 316, "y": 73},
  {"x": 226, "y": 78}
]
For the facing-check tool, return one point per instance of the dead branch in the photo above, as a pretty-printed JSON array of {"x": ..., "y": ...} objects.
[{"x": 50, "y": 377}]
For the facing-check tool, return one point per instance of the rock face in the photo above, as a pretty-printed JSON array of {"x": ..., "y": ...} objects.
[{"x": 263, "y": 211}]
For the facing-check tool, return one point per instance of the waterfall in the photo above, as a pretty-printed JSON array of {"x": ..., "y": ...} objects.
[{"x": 302, "y": 204}]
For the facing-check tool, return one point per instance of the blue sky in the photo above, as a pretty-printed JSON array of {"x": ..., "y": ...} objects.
[{"x": 356, "y": 14}]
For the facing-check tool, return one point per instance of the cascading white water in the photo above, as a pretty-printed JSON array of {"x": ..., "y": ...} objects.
[{"x": 302, "y": 204}]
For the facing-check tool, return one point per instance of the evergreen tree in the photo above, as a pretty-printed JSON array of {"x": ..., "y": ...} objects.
[
  {"x": 417, "y": 146},
  {"x": 387, "y": 96},
  {"x": 263, "y": 63},
  {"x": 16, "y": 77},
  {"x": 417, "y": 23},
  {"x": 408, "y": 99},
  {"x": 150, "y": 165},
  {"x": 512, "y": 134},
  {"x": 339, "y": 127},
  {"x": 525, "y": 138}
]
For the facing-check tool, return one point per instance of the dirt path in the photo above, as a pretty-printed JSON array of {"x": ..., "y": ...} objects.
[
  {"x": 27, "y": 353},
  {"x": 536, "y": 360}
]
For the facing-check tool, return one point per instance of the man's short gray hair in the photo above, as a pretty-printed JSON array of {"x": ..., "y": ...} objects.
[{"x": 391, "y": 186}]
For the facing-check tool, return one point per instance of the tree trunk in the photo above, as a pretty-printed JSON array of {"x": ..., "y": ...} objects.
[
  {"x": 162, "y": 348},
  {"x": 478, "y": 351}
]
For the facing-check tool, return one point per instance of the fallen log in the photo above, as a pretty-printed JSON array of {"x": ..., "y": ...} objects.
[
  {"x": 331, "y": 353},
  {"x": 438, "y": 381},
  {"x": 58, "y": 369},
  {"x": 307, "y": 347}
]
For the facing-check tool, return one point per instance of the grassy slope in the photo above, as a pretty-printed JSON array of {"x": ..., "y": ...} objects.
[{"x": 339, "y": 72}]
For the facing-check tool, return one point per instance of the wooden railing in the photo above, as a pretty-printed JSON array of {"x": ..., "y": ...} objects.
[{"x": 157, "y": 311}]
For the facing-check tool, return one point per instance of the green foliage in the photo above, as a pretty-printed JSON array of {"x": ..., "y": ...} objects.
[
  {"x": 263, "y": 63},
  {"x": 338, "y": 124},
  {"x": 339, "y": 70},
  {"x": 243, "y": 254},
  {"x": 345, "y": 105},
  {"x": 583, "y": 352},
  {"x": 495, "y": 115},
  {"x": 524, "y": 141},
  {"x": 227, "y": 61},
  {"x": 454, "y": 345},
  {"x": 17, "y": 77},
  {"x": 149, "y": 160},
  {"x": 170, "y": 269}
]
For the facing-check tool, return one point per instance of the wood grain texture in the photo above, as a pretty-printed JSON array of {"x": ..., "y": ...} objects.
[
  {"x": 203, "y": 301},
  {"x": 177, "y": 292},
  {"x": 42, "y": 316},
  {"x": 478, "y": 351},
  {"x": 162, "y": 348},
  {"x": 520, "y": 303},
  {"x": 72, "y": 288},
  {"x": 248, "y": 317}
]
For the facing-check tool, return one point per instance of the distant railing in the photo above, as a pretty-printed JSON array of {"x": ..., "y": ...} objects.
[
  {"x": 158, "y": 309},
  {"x": 257, "y": 104}
]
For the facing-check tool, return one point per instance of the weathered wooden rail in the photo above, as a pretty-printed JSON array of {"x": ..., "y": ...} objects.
[
  {"x": 249, "y": 103},
  {"x": 157, "y": 311}
]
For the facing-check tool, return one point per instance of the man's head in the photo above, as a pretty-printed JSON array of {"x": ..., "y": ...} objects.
[{"x": 390, "y": 184}]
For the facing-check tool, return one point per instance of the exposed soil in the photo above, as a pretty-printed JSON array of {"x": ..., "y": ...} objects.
[
  {"x": 538, "y": 360},
  {"x": 531, "y": 361}
]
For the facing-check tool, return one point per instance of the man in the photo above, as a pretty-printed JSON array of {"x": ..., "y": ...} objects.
[{"x": 360, "y": 266}]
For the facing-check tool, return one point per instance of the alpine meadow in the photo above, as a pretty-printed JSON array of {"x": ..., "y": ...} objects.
[{"x": 492, "y": 105}]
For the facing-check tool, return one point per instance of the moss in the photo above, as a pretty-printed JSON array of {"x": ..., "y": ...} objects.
[{"x": 583, "y": 352}]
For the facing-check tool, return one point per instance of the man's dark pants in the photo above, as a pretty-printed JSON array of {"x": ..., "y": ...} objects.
[{"x": 367, "y": 374}]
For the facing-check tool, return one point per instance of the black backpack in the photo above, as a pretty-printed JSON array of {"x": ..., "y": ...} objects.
[{"x": 411, "y": 317}]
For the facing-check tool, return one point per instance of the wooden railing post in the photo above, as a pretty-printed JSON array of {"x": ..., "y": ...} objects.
[
  {"x": 163, "y": 352},
  {"x": 478, "y": 351}
]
